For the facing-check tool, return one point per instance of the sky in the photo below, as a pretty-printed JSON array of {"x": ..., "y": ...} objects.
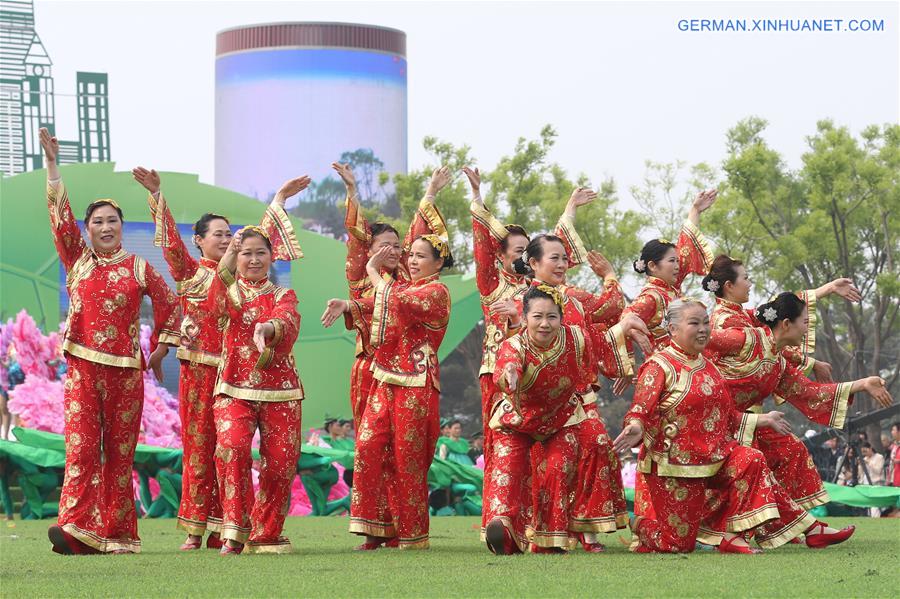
[{"x": 619, "y": 81}]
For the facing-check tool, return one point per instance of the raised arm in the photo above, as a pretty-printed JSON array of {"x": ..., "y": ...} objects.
[
  {"x": 487, "y": 233},
  {"x": 693, "y": 249},
  {"x": 565, "y": 227},
  {"x": 66, "y": 234},
  {"x": 181, "y": 264},
  {"x": 427, "y": 219},
  {"x": 277, "y": 225},
  {"x": 359, "y": 235}
]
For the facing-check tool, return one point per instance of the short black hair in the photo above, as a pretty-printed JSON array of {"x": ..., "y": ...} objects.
[{"x": 99, "y": 203}]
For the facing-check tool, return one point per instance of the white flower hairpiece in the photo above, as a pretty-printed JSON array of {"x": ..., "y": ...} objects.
[
  {"x": 770, "y": 314},
  {"x": 525, "y": 256},
  {"x": 712, "y": 285},
  {"x": 640, "y": 265}
]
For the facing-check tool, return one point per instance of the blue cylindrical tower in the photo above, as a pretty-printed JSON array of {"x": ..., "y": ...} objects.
[{"x": 292, "y": 97}]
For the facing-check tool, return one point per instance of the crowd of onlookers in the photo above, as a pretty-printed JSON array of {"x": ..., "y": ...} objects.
[{"x": 859, "y": 463}]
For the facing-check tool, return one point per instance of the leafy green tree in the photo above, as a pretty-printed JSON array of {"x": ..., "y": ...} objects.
[{"x": 834, "y": 217}]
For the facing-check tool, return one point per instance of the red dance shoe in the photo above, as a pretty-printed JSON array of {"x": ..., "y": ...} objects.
[
  {"x": 499, "y": 540},
  {"x": 392, "y": 542},
  {"x": 229, "y": 550},
  {"x": 214, "y": 541},
  {"x": 590, "y": 547},
  {"x": 728, "y": 546},
  {"x": 66, "y": 544},
  {"x": 821, "y": 540},
  {"x": 191, "y": 545}
]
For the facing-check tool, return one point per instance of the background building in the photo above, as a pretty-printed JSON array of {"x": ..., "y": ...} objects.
[
  {"x": 28, "y": 101},
  {"x": 291, "y": 98}
]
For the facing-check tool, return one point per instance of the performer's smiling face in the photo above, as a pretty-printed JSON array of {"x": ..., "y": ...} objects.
[
  {"x": 105, "y": 228},
  {"x": 424, "y": 260},
  {"x": 792, "y": 331},
  {"x": 551, "y": 266},
  {"x": 254, "y": 258},
  {"x": 691, "y": 331},
  {"x": 667, "y": 267},
  {"x": 739, "y": 291},
  {"x": 215, "y": 240},
  {"x": 543, "y": 321},
  {"x": 387, "y": 239}
]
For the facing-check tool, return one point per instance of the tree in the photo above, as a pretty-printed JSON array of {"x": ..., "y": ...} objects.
[
  {"x": 367, "y": 168},
  {"x": 835, "y": 217},
  {"x": 323, "y": 211}
]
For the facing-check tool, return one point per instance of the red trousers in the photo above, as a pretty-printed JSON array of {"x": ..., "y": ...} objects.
[
  {"x": 200, "y": 508},
  {"x": 361, "y": 387},
  {"x": 508, "y": 491},
  {"x": 793, "y": 467},
  {"x": 741, "y": 496},
  {"x": 103, "y": 406},
  {"x": 257, "y": 522},
  {"x": 599, "y": 497},
  {"x": 394, "y": 449},
  {"x": 489, "y": 391}
]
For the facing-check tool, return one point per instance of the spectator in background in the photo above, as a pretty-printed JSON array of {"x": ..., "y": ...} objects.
[
  {"x": 874, "y": 462},
  {"x": 832, "y": 454},
  {"x": 476, "y": 446},
  {"x": 453, "y": 447},
  {"x": 347, "y": 425}
]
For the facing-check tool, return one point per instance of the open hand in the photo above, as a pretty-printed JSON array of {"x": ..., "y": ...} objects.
[
  {"x": 334, "y": 310},
  {"x": 50, "y": 145},
  {"x": 148, "y": 178},
  {"x": 628, "y": 438},
  {"x": 154, "y": 363}
]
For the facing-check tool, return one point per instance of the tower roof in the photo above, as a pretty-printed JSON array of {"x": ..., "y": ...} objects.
[{"x": 313, "y": 35}]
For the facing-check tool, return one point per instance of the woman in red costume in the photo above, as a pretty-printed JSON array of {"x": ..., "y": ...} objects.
[
  {"x": 200, "y": 509},
  {"x": 599, "y": 499},
  {"x": 400, "y": 424},
  {"x": 363, "y": 240},
  {"x": 495, "y": 249},
  {"x": 257, "y": 388},
  {"x": 667, "y": 265},
  {"x": 104, "y": 391},
  {"x": 753, "y": 365},
  {"x": 696, "y": 460},
  {"x": 729, "y": 281},
  {"x": 539, "y": 372},
  {"x": 786, "y": 455}
]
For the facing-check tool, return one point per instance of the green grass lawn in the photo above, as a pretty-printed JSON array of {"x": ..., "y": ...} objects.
[{"x": 457, "y": 565}]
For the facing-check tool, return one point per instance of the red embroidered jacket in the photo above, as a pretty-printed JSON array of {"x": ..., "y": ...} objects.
[
  {"x": 201, "y": 332},
  {"x": 105, "y": 292},
  {"x": 694, "y": 256},
  {"x": 729, "y": 315},
  {"x": 754, "y": 370},
  {"x": 494, "y": 283},
  {"x": 549, "y": 379},
  {"x": 689, "y": 420},
  {"x": 408, "y": 324},
  {"x": 244, "y": 372},
  {"x": 427, "y": 219}
]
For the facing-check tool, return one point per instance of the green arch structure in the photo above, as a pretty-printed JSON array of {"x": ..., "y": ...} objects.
[{"x": 29, "y": 267}]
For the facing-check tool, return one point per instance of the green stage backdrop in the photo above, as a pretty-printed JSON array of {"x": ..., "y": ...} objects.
[{"x": 30, "y": 272}]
